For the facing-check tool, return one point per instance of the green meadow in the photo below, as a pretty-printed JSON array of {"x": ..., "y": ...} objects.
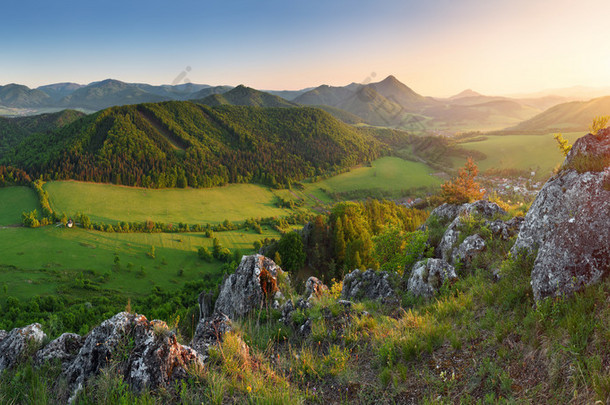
[
  {"x": 388, "y": 174},
  {"x": 525, "y": 152},
  {"x": 110, "y": 203},
  {"x": 45, "y": 260},
  {"x": 15, "y": 200}
]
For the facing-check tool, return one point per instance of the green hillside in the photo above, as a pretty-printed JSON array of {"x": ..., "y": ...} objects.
[
  {"x": 179, "y": 144},
  {"x": 109, "y": 203},
  {"x": 569, "y": 117},
  {"x": 15, "y": 130},
  {"x": 246, "y": 96}
]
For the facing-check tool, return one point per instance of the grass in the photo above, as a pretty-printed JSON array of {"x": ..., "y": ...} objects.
[
  {"x": 15, "y": 200},
  {"x": 388, "y": 174},
  {"x": 524, "y": 152},
  {"x": 44, "y": 260},
  {"x": 110, "y": 203}
]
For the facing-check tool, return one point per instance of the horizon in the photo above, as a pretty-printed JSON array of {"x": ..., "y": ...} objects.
[{"x": 437, "y": 48}]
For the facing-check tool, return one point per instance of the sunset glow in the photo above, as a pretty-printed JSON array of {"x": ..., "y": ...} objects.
[{"x": 437, "y": 47}]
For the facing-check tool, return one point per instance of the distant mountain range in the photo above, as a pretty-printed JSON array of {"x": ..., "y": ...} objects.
[{"x": 388, "y": 103}]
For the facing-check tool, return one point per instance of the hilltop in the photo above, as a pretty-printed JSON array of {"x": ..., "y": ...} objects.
[
  {"x": 571, "y": 116},
  {"x": 246, "y": 96},
  {"x": 186, "y": 144}
]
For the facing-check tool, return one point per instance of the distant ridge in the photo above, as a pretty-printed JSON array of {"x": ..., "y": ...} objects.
[{"x": 246, "y": 96}]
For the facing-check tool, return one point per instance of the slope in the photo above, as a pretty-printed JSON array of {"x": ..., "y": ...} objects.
[
  {"x": 175, "y": 144},
  {"x": 15, "y": 130},
  {"x": 572, "y": 116},
  {"x": 246, "y": 96}
]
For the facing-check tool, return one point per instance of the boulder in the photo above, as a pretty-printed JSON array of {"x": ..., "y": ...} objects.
[
  {"x": 209, "y": 332},
  {"x": 371, "y": 284},
  {"x": 145, "y": 352},
  {"x": 18, "y": 343},
  {"x": 314, "y": 288},
  {"x": 253, "y": 283},
  {"x": 63, "y": 349},
  {"x": 468, "y": 249},
  {"x": 428, "y": 276},
  {"x": 446, "y": 213},
  {"x": 481, "y": 208},
  {"x": 568, "y": 225},
  {"x": 506, "y": 229}
]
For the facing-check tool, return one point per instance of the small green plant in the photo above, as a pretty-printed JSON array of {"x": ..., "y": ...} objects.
[
  {"x": 563, "y": 144},
  {"x": 598, "y": 124}
]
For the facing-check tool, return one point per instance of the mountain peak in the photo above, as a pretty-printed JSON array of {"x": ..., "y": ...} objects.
[{"x": 466, "y": 93}]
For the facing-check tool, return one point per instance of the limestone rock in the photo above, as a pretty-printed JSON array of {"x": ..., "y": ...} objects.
[
  {"x": 209, "y": 332},
  {"x": 449, "y": 240},
  {"x": 569, "y": 224},
  {"x": 254, "y": 280},
  {"x": 16, "y": 344},
  {"x": 428, "y": 276},
  {"x": 146, "y": 353},
  {"x": 371, "y": 284},
  {"x": 63, "y": 349},
  {"x": 468, "y": 249},
  {"x": 314, "y": 288},
  {"x": 506, "y": 229}
]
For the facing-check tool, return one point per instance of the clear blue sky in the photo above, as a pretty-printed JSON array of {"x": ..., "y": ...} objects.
[{"x": 438, "y": 47}]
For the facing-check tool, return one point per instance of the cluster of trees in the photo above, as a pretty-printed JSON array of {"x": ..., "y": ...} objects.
[
  {"x": 353, "y": 235},
  {"x": 180, "y": 144},
  {"x": 11, "y": 176}
]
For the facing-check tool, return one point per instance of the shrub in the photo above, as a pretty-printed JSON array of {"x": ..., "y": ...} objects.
[{"x": 463, "y": 189}]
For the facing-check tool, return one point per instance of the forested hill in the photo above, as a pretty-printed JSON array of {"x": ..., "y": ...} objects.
[
  {"x": 15, "y": 130},
  {"x": 180, "y": 143}
]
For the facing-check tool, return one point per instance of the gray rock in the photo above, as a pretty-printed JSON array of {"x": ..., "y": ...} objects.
[
  {"x": 146, "y": 353},
  {"x": 209, "y": 332},
  {"x": 482, "y": 208},
  {"x": 591, "y": 145},
  {"x": 287, "y": 310},
  {"x": 206, "y": 304},
  {"x": 314, "y": 288},
  {"x": 371, "y": 284},
  {"x": 506, "y": 229},
  {"x": 569, "y": 224},
  {"x": 19, "y": 343},
  {"x": 63, "y": 349},
  {"x": 428, "y": 276},
  {"x": 468, "y": 249},
  {"x": 446, "y": 213},
  {"x": 245, "y": 289}
]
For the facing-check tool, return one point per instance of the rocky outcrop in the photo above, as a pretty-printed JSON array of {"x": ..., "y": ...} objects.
[
  {"x": 506, "y": 229},
  {"x": 19, "y": 343},
  {"x": 428, "y": 276},
  {"x": 314, "y": 288},
  {"x": 210, "y": 332},
  {"x": 253, "y": 283},
  {"x": 63, "y": 349},
  {"x": 145, "y": 352},
  {"x": 481, "y": 208},
  {"x": 371, "y": 284},
  {"x": 468, "y": 249},
  {"x": 568, "y": 225}
]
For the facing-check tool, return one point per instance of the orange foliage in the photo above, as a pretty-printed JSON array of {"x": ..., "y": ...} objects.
[{"x": 463, "y": 189}]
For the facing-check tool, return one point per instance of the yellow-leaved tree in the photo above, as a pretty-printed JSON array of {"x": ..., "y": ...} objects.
[{"x": 463, "y": 188}]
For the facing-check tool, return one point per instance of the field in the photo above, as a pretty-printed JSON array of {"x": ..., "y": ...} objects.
[
  {"x": 525, "y": 152},
  {"x": 15, "y": 200},
  {"x": 45, "y": 260},
  {"x": 109, "y": 203},
  {"x": 389, "y": 174},
  {"x": 48, "y": 260}
]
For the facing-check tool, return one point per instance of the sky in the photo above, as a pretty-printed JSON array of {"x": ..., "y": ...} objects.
[{"x": 436, "y": 47}]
